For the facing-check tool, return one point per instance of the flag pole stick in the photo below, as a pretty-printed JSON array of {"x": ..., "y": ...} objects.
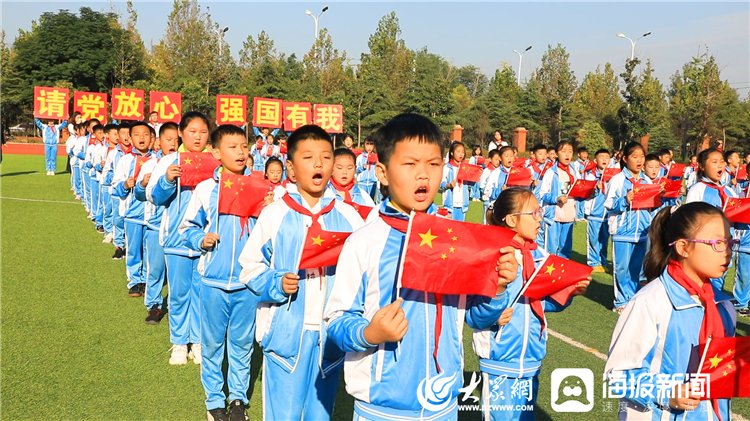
[
  {"x": 704, "y": 355},
  {"x": 178, "y": 184},
  {"x": 520, "y": 293},
  {"x": 296, "y": 267},
  {"x": 399, "y": 275}
]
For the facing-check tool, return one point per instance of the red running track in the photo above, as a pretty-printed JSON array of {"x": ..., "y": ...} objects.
[{"x": 30, "y": 149}]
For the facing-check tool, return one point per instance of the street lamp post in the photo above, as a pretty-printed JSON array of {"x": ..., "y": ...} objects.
[
  {"x": 632, "y": 42},
  {"x": 520, "y": 60},
  {"x": 315, "y": 18},
  {"x": 221, "y": 33}
]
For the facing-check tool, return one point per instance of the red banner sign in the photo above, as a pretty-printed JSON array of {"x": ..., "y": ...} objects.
[
  {"x": 231, "y": 109},
  {"x": 297, "y": 114},
  {"x": 330, "y": 117},
  {"x": 91, "y": 105},
  {"x": 267, "y": 112},
  {"x": 127, "y": 104},
  {"x": 167, "y": 105},
  {"x": 51, "y": 103}
]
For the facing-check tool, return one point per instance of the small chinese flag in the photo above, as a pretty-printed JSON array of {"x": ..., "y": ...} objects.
[
  {"x": 480, "y": 161},
  {"x": 609, "y": 173},
  {"x": 646, "y": 196},
  {"x": 241, "y": 195},
  {"x": 676, "y": 170},
  {"x": 519, "y": 162},
  {"x": 556, "y": 279},
  {"x": 519, "y": 177},
  {"x": 139, "y": 161},
  {"x": 196, "y": 167},
  {"x": 372, "y": 158},
  {"x": 450, "y": 257},
  {"x": 727, "y": 363},
  {"x": 583, "y": 189},
  {"x": 364, "y": 211},
  {"x": 590, "y": 166},
  {"x": 737, "y": 210},
  {"x": 322, "y": 248},
  {"x": 671, "y": 187},
  {"x": 741, "y": 173},
  {"x": 469, "y": 172}
]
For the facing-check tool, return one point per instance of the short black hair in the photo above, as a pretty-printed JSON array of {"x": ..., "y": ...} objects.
[
  {"x": 152, "y": 130},
  {"x": 504, "y": 149},
  {"x": 404, "y": 127},
  {"x": 272, "y": 160},
  {"x": 135, "y": 124},
  {"x": 663, "y": 152},
  {"x": 306, "y": 132},
  {"x": 224, "y": 130},
  {"x": 344, "y": 152},
  {"x": 562, "y": 143},
  {"x": 602, "y": 150},
  {"x": 493, "y": 153},
  {"x": 538, "y": 147},
  {"x": 109, "y": 127},
  {"x": 167, "y": 126},
  {"x": 583, "y": 149},
  {"x": 93, "y": 120},
  {"x": 729, "y": 153},
  {"x": 97, "y": 128},
  {"x": 123, "y": 125},
  {"x": 652, "y": 157}
]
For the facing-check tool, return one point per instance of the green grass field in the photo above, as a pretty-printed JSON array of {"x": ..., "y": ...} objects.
[{"x": 74, "y": 345}]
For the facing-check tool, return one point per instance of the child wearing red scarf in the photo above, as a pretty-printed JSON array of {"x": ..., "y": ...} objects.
[
  {"x": 511, "y": 348},
  {"x": 660, "y": 336},
  {"x": 343, "y": 179},
  {"x": 455, "y": 193}
]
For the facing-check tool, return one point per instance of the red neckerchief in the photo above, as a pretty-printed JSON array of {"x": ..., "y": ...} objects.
[
  {"x": 126, "y": 149},
  {"x": 536, "y": 167},
  {"x": 634, "y": 181},
  {"x": 269, "y": 151},
  {"x": 401, "y": 225},
  {"x": 455, "y": 163},
  {"x": 599, "y": 174},
  {"x": 347, "y": 189},
  {"x": 711, "y": 326},
  {"x": 720, "y": 190},
  {"x": 566, "y": 168},
  {"x": 528, "y": 270},
  {"x": 490, "y": 166},
  {"x": 293, "y": 205}
]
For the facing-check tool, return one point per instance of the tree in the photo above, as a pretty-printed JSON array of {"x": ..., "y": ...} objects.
[
  {"x": 192, "y": 57},
  {"x": 645, "y": 105},
  {"x": 593, "y": 137},
  {"x": 501, "y": 100},
  {"x": 430, "y": 93},
  {"x": 129, "y": 54},
  {"x": 324, "y": 75},
  {"x": 557, "y": 84},
  {"x": 598, "y": 99}
]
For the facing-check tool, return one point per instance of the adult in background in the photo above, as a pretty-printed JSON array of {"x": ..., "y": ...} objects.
[
  {"x": 497, "y": 141},
  {"x": 50, "y": 137}
]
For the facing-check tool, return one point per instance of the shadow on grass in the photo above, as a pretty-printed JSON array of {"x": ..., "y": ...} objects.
[
  {"x": 13, "y": 174},
  {"x": 600, "y": 293}
]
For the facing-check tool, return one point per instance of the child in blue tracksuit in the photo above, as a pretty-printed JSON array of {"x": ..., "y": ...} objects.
[
  {"x": 455, "y": 193},
  {"x": 366, "y": 170},
  {"x": 343, "y": 179},
  {"x": 107, "y": 173},
  {"x": 597, "y": 232},
  {"x": 387, "y": 331},
  {"x": 98, "y": 153},
  {"x": 114, "y": 156},
  {"x": 50, "y": 137},
  {"x": 476, "y": 159},
  {"x": 711, "y": 168},
  {"x": 299, "y": 362},
  {"x": 733, "y": 161},
  {"x": 511, "y": 348},
  {"x": 153, "y": 252},
  {"x": 579, "y": 167},
  {"x": 628, "y": 227},
  {"x": 498, "y": 178},
  {"x": 228, "y": 306},
  {"x": 493, "y": 162},
  {"x": 181, "y": 261},
  {"x": 560, "y": 211},
  {"x": 124, "y": 182},
  {"x": 257, "y": 155},
  {"x": 661, "y": 333}
]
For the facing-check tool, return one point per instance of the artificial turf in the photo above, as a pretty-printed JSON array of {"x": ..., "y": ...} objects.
[{"x": 74, "y": 345}]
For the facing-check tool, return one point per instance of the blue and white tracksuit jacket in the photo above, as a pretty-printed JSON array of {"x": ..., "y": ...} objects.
[
  {"x": 108, "y": 173},
  {"x": 456, "y": 200},
  {"x": 495, "y": 183},
  {"x": 741, "y": 187},
  {"x": 657, "y": 335},
  {"x": 558, "y": 220},
  {"x": 702, "y": 193},
  {"x": 299, "y": 360},
  {"x": 389, "y": 380},
  {"x": 515, "y": 350},
  {"x": 366, "y": 174},
  {"x": 259, "y": 161},
  {"x": 50, "y": 137},
  {"x": 359, "y": 196},
  {"x": 597, "y": 232},
  {"x": 577, "y": 167},
  {"x": 228, "y": 315},
  {"x": 629, "y": 231}
]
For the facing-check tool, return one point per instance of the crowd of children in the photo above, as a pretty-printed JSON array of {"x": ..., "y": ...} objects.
[{"x": 233, "y": 279}]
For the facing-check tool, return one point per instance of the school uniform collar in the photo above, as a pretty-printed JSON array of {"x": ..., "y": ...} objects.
[
  {"x": 680, "y": 298},
  {"x": 629, "y": 174},
  {"x": 387, "y": 210},
  {"x": 328, "y": 196},
  {"x": 220, "y": 169}
]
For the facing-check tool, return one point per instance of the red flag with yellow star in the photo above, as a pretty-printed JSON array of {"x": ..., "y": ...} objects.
[
  {"x": 469, "y": 173},
  {"x": 677, "y": 170},
  {"x": 583, "y": 189},
  {"x": 727, "y": 363},
  {"x": 444, "y": 256},
  {"x": 322, "y": 248},
  {"x": 646, "y": 196},
  {"x": 139, "y": 161},
  {"x": 609, "y": 173},
  {"x": 519, "y": 177},
  {"x": 196, "y": 167},
  {"x": 241, "y": 195},
  {"x": 671, "y": 187},
  {"x": 364, "y": 211},
  {"x": 737, "y": 210},
  {"x": 556, "y": 279}
]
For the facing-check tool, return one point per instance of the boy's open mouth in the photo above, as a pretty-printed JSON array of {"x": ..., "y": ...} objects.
[
  {"x": 420, "y": 194},
  {"x": 317, "y": 178}
]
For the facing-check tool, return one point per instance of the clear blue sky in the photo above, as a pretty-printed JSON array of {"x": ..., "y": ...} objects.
[{"x": 482, "y": 33}]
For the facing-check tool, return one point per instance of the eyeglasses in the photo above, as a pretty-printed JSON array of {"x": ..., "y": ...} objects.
[
  {"x": 721, "y": 245},
  {"x": 537, "y": 213}
]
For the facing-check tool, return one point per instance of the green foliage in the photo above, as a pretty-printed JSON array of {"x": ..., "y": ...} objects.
[
  {"x": 598, "y": 100},
  {"x": 593, "y": 137}
]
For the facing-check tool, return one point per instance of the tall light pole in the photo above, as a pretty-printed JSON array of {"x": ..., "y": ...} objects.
[
  {"x": 632, "y": 42},
  {"x": 221, "y": 33},
  {"x": 520, "y": 60},
  {"x": 315, "y": 18}
]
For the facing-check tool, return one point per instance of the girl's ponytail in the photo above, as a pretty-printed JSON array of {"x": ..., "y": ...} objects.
[{"x": 659, "y": 252}]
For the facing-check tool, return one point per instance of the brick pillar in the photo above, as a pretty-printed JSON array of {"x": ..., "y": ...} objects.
[
  {"x": 644, "y": 141},
  {"x": 457, "y": 132},
  {"x": 519, "y": 139}
]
